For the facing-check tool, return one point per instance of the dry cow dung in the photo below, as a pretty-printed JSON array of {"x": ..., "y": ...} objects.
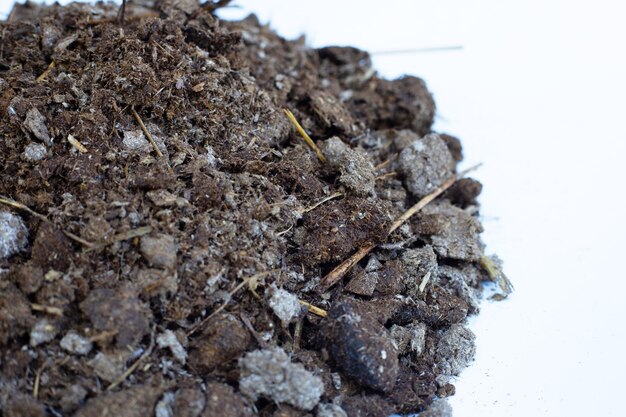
[{"x": 170, "y": 245}]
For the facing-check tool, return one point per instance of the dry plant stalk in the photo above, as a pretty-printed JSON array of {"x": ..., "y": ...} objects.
[
  {"x": 313, "y": 309},
  {"x": 46, "y": 72},
  {"x": 53, "y": 311},
  {"x": 342, "y": 269},
  {"x": 305, "y": 136},
  {"x": 322, "y": 201},
  {"x": 251, "y": 282},
  {"x": 15, "y": 204},
  {"x": 76, "y": 144},
  {"x": 148, "y": 135},
  {"x": 132, "y": 368},
  {"x": 20, "y": 206},
  {"x": 38, "y": 380}
]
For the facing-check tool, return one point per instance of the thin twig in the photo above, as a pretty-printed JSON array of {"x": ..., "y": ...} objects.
[
  {"x": 246, "y": 321},
  {"x": 120, "y": 237},
  {"x": 313, "y": 309},
  {"x": 249, "y": 281},
  {"x": 76, "y": 144},
  {"x": 145, "y": 130},
  {"x": 54, "y": 311},
  {"x": 46, "y": 72},
  {"x": 79, "y": 239},
  {"x": 305, "y": 136},
  {"x": 132, "y": 368},
  {"x": 319, "y": 203},
  {"x": 17, "y": 205},
  {"x": 340, "y": 271},
  {"x": 297, "y": 334},
  {"x": 38, "y": 380},
  {"x": 386, "y": 175},
  {"x": 20, "y": 206},
  {"x": 385, "y": 162}
]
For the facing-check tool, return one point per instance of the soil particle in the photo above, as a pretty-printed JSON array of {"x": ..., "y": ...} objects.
[
  {"x": 160, "y": 250},
  {"x": 138, "y": 401},
  {"x": 34, "y": 152},
  {"x": 410, "y": 338},
  {"x": 43, "y": 331},
  {"x": 455, "y": 350},
  {"x": 15, "y": 315},
  {"x": 464, "y": 193},
  {"x": 418, "y": 264},
  {"x": 404, "y": 103},
  {"x": 13, "y": 234},
  {"x": 164, "y": 407},
  {"x": 72, "y": 397},
  {"x": 453, "y": 232},
  {"x": 222, "y": 400},
  {"x": 168, "y": 340},
  {"x": 223, "y": 340},
  {"x": 189, "y": 402},
  {"x": 51, "y": 249},
  {"x": 356, "y": 171},
  {"x": 76, "y": 344},
  {"x": 456, "y": 282},
  {"x": 425, "y": 164},
  {"x": 367, "y": 406},
  {"x": 29, "y": 278},
  {"x": 270, "y": 373},
  {"x": 109, "y": 365},
  {"x": 361, "y": 347},
  {"x": 454, "y": 146},
  {"x": 285, "y": 305},
  {"x": 330, "y": 410},
  {"x": 438, "y": 408},
  {"x": 335, "y": 232},
  {"x": 118, "y": 311},
  {"x": 331, "y": 112},
  {"x": 19, "y": 405},
  {"x": 363, "y": 283},
  {"x": 35, "y": 123}
]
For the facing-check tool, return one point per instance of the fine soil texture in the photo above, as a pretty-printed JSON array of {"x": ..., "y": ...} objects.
[{"x": 171, "y": 246}]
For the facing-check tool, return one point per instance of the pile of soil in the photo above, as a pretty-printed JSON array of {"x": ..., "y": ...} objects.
[{"x": 165, "y": 231}]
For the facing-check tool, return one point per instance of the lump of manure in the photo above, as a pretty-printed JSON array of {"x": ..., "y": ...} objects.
[{"x": 270, "y": 373}]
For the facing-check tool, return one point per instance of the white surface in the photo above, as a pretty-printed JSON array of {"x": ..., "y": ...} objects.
[{"x": 537, "y": 94}]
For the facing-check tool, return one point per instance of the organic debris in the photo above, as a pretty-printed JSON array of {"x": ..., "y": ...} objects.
[{"x": 173, "y": 242}]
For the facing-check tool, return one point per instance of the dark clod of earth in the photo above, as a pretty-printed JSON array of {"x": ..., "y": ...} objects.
[{"x": 171, "y": 246}]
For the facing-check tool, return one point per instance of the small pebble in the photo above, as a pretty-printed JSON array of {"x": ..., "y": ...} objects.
[
  {"x": 76, "y": 344},
  {"x": 285, "y": 305},
  {"x": 168, "y": 339},
  {"x": 270, "y": 373},
  {"x": 34, "y": 152},
  {"x": 13, "y": 234},
  {"x": 43, "y": 332},
  {"x": 35, "y": 122},
  {"x": 159, "y": 251}
]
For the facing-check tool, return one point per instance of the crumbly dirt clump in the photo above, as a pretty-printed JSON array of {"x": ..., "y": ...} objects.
[{"x": 164, "y": 230}]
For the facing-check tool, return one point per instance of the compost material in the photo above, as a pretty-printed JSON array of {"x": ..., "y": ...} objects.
[{"x": 171, "y": 246}]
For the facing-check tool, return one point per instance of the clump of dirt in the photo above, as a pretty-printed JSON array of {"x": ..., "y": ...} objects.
[{"x": 165, "y": 231}]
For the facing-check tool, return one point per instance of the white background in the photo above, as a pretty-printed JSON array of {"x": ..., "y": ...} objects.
[{"x": 537, "y": 94}]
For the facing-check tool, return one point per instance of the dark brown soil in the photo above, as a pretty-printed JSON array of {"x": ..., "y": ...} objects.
[{"x": 163, "y": 275}]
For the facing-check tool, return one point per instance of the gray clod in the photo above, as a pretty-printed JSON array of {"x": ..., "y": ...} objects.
[
  {"x": 270, "y": 373},
  {"x": 13, "y": 234},
  {"x": 425, "y": 164},
  {"x": 35, "y": 123}
]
